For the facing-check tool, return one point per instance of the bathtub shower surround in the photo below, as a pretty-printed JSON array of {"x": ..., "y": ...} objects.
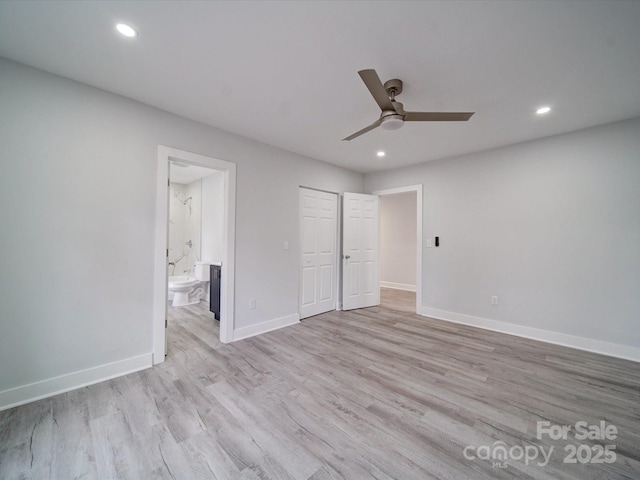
[
  {"x": 196, "y": 229},
  {"x": 185, "y": 212}
]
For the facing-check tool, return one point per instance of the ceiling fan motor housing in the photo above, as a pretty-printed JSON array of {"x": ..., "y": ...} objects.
[{"x": 393, "y": 87}]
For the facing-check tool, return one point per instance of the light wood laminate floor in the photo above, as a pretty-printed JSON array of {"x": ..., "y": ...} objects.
[
  {"x": 399, "y": 300},
  {"x": 368, "y": 394}
]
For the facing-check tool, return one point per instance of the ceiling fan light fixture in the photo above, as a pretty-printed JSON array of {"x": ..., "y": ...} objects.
[{"x": 392, "y": 122}]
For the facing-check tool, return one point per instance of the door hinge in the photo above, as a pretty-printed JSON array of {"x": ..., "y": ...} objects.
[
  {"x": 168, "y": 182},
  {"x": 166, "y": 323},
  {"x": 167, "y": 252}
]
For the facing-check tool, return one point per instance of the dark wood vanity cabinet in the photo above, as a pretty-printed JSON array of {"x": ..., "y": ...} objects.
[{"x": 214, "y": 290}]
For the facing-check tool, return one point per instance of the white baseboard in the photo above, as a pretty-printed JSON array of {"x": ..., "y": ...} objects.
[
  {"x": 581, "y": 343},
  {"x": 72, "y": 381},
  {"x": 398, "y": 286},
  {"x": 264, "y": 327}
]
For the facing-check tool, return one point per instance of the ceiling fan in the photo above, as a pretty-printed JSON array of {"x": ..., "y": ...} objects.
[{"x": 393, "y": 114}]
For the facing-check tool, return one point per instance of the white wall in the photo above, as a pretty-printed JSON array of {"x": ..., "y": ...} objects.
[
  {"x": 398, "y": 241},
  {"x": 81, "y": 233},
  {"x": 213, "y": 217},
  {"x": 552, "y": 227}
]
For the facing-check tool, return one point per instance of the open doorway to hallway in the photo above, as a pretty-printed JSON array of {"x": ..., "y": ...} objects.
[{"x": 400, "y": 248}]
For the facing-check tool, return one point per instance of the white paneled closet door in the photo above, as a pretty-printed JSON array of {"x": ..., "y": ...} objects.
[
  {"x": 360, "y": 246},
  {"x": 318, "y": 251}
]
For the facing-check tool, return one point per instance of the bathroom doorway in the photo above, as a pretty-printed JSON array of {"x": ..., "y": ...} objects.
[{"x": 195, "y": 224}]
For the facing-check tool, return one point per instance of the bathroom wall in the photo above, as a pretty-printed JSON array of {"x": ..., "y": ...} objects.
[{"x": 213, "y": 218}]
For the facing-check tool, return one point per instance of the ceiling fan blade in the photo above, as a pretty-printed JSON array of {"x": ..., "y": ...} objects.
[
  {"x": 437, "y": 116},
  {"x": 364, "y": 130},
  {"x": 376, "y": 88}
]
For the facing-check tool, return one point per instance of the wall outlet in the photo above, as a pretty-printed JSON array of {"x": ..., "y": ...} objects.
[
  {"x": 252, "y": 304},
  {"x": 494, "y": 300}
]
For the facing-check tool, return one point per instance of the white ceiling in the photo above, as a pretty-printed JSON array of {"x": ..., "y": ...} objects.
[{"x": 285, "y": 73}]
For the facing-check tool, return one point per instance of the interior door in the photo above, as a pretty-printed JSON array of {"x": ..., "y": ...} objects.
[
  {"x": 360, "y": 248},
  {"x": 319, "y": 253}
]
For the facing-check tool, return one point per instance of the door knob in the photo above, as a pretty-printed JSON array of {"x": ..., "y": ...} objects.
[{"x": 347, "y": 257}]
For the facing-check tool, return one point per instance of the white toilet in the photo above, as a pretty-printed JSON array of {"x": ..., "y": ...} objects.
[{"x": 188, "y": 290}]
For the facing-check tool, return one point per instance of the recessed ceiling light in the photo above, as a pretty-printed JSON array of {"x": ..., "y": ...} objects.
[
  {"x": 381, "y": 153},
  {"x": 126, "y": 30},
  {"x": 543, "y": 110}
]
